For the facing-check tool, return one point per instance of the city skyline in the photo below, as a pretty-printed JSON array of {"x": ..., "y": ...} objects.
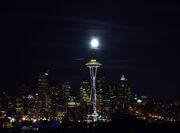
[
  {"x": 59, "y": 104},
  {"x": 144, "y": 48},
  {"x": 90, "y": 66}
]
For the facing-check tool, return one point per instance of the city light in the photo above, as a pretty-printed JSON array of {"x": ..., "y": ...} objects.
[
  {"x": 12, "y": 120},
  {"x": 98, "y": 66},
  {"x": 34, "y": 120},
  {"x": 94, "y": 111},
  {"x": 123, "y": 78},
  {"x": 139, "y": 101}
]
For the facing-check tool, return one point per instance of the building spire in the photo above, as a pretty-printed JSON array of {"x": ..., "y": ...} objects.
[{"x": 123, "y": 78}]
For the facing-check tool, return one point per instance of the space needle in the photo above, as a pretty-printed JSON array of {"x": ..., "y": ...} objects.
[{"x": 93, "y": 66}]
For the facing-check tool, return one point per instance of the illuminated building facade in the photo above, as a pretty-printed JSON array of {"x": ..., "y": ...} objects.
[
  {"x": 85, "y": 91},
  {"x": 65, "y": 92},
  {"x": 43, "y": 94},
  {"x": 124, "y": 94},
  {"x": 11, "y": 106},
  {"x": 19, "y": 106},
  {"x": 30, "y": 104},
  {"x": 73, "y": 113},
  {"x": 55, "y": 100},
  {"x": 107, "y": 105},
  {"x": 100, "y": 87},
  {"x": 112, "y": 87},
  {"x": 109, "y": 99}
]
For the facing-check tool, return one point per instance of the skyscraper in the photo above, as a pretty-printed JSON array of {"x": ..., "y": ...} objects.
[
  {"x": 67, "y": 90},
  {"x": 85, "y": 90},
  {"x": 123, "y": 94},
  {"x": 43, "y": 94},
  {"x": 109, "y": 99},
  {"x": 100, "y": 87},
  {"x": 65, "y": 93},
  {"x": 55, "y": 100}
]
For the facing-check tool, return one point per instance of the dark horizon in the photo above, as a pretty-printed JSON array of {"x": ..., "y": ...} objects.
[{"x": 139, "y": 40}]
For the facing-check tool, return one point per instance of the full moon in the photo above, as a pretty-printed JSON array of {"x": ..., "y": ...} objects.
[{"x": 94, "y": 43}]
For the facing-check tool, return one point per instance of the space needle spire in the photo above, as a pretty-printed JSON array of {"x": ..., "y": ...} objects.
[{"x": 93, "y": 66}]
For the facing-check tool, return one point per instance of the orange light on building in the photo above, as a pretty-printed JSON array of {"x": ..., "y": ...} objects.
[
  {"x": 156, "y": 116},
  {"x": 3, "y": 116},
  {"x": 36, "y": 101}
]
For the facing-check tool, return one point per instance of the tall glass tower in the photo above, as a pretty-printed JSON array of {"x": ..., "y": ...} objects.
[
  {"x": 42, "y": 94},
  {"x": 93, "y": 65}
]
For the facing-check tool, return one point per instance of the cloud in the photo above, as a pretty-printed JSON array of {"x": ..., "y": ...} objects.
[
  {"x": 118, "y": 61},
  {"x": 115, "y": 67},
  {"x": 79, "y": 59}
]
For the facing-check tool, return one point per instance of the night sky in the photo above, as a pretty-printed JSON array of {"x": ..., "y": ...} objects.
[{"x": 139, "y": 39}]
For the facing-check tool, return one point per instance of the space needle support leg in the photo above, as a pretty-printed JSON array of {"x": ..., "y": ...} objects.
[{"x": 94, "y": 94}]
